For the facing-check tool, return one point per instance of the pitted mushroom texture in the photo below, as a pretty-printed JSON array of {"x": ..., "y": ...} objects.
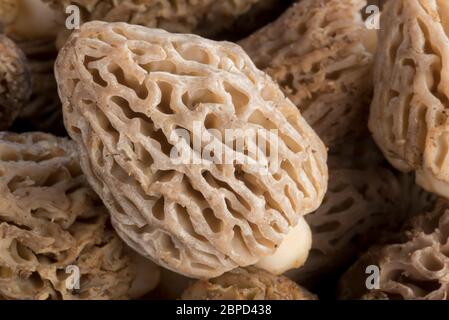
[
  {"x": 43, "y": 110},
  {"x": 415, "y": 268},
  {"x": 247, "y": 284},
  {"x": 408, "y": 116},
  {"x": 319, "y": 51},
  {"x": 204, "y": 17},
  {"x": 125, "y": 89},
  {"x": 50, "y": 220},
  {"x": 15, "y": 82},
  {"x": 359, "y": 207}
]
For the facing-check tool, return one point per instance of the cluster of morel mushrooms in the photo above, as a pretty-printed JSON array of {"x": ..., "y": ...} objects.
[{"x": 89, "y": 183}]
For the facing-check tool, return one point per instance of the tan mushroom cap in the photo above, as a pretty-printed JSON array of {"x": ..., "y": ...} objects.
[
  {"x": 247, "y": 284},
  {"x": 415, "y": 266},
  {"x": 125, "y": 89},
  {"x": 320, "y": 53},
  {"x": 408, "y": 115},
  {"x": 15, "y": 82},
  {"x": 53, "y": 225}
]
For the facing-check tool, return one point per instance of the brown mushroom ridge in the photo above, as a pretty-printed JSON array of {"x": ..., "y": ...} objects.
[
  {"x": 247, "y": 284},
  {"x": 51, "y": 222},
  {"x": 320, "y": 53},
  {"x": 359, "y": 207},
  {"x": 414, "y": 267}
]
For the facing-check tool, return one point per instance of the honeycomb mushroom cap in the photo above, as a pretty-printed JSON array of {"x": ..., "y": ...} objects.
[
  {"x": 408, "y": 115},
  {"x": 51, "y": 221},
  {"x": 247, "y": 284},
  {"x": 359, "y": 207},
  {"x": 125, "y": 89},
  {"x": 204, "y": 17},
  {"x": 15, "y": 82},
  {"x": 320, "y": 53},
  {"x": 416, "y": 266}
]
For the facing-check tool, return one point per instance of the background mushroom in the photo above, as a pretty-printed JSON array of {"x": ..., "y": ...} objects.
[
  {"x": 321, "y": 54},
  {"x": 413, "y": 265},
  {"x": 247, "y": 284},
  {"x": 51, "y": 221},
  {"x": 408, "y": 115},
  {"x": 15, "y": 82}
]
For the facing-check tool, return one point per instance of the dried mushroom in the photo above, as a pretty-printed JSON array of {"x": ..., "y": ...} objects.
[
  {"x": 125, "y": 90},
  {"x": 414, "y": 267},
  {"x": 15, "y": 82},
  {"x": 33, "y": 25},
  {"x": 43, "y": 110},
  {"x": 408, "y": 115},
  {"x": 320, "y": 53},
  {"x": 204, "y": 17},
  {"x": 53, "y": 225},
  {"x": 247, "y": 284},
  {"x": 359, "y": 207}
]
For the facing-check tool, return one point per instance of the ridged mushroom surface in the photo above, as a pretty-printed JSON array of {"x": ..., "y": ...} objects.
[{"x": 133, "y": 95}]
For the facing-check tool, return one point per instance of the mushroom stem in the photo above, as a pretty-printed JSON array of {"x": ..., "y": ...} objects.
[{"x": 293, "y": 251}]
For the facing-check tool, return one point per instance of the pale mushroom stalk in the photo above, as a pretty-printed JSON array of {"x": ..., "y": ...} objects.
[
  {"x": 292, "y": 252},
  {"x": 29, "y": 19}
]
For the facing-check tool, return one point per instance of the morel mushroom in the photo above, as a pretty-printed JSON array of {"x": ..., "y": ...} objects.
[
  {"x": 33, "y": 25},
  {"x": 359, "y": 207},
  {"x": 408, "y": 116},
  {"x": 414, "y": 267},
  {"x": 320, "y": 52},
  {"x": 127, "y": 91},
  {"x": 15, "y": 82},
  {"x": 53, "y": 228},
  {"x": 247, "y": 284},
  {"x": 204, "y": 17},
  {"x": 43, "y": 110}
]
